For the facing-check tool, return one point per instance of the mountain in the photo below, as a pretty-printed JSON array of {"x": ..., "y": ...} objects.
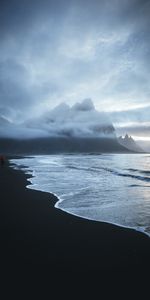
[
  {"x": 81, "y": 120},
  {"x": 64, "y": 129},
  {"x": 52, "y": 145},
  {"x": 129, "y": 143}
]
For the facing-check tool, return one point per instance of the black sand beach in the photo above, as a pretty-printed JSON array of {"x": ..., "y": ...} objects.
[{"x": 36, "y": 234}]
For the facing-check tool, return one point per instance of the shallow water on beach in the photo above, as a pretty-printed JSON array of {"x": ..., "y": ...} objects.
[{"x": 114, "y": 188}]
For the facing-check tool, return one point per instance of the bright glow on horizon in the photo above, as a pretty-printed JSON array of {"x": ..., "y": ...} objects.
[{"x": 141, "y": 138}]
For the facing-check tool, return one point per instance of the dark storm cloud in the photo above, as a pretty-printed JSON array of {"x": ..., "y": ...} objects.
[
  {"x": 11, "y": 73},
  {"x": 18, "y": 16},
  {"x": 23, "y": 42},
  {"x": 65, "y": 51}
]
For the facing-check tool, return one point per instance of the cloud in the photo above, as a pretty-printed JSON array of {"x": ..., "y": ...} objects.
[
  {"x": 20, "y": 132},
  {"x": 81, "y": 120},
  {"x": 134, "y": 121},
  {"x": 62, "y": 51},
  {"x": 86, "y": 105},
  {"x": 138, "y": 114},
  {"x": 139, "y": 131},
  {"x": 14, "y": 90}
]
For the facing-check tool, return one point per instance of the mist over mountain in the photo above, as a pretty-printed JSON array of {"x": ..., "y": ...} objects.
[
  {"x": 145, "y": 145},
  {"x": 80, "y": 120},
  {"x": 80, "y": 128}
]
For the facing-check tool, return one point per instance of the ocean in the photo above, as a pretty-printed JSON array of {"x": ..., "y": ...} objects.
[{"x": 113, "y": 188}]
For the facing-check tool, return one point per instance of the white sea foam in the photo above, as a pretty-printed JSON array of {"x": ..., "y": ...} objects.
[{"x": 112, "y": 188}]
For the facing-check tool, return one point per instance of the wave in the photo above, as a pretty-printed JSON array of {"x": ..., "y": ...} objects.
[
  {"x": 85, "y": 187},
  {"x": 115, "y": 172},
  {"x": 139, "y": 171},
  {"x": 138, "y": 177},
  {"x": 138, "y": 185}
]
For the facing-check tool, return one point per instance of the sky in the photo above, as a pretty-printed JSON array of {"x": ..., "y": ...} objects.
[{"x": 59, "y": 51}]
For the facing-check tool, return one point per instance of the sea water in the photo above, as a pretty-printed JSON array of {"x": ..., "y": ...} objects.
[{"x": 113, "y": 188}]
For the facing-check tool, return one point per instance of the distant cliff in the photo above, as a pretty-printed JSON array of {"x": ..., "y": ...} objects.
[
  {"x": 129, "y": 143},
  {"x": 64, "y": 129}
]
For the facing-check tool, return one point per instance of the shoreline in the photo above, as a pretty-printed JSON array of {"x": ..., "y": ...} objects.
[
  {"x": 35, "y": 233},
  {"x": 59, "y": 200},
  {"x": 92, "y": 220}
]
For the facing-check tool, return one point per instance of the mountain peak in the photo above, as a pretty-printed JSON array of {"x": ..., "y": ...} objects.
[
  {"x": 62, "y": 107},
  {"x": 128, "y": 142},
  {"x": 85, "y": 105}
]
